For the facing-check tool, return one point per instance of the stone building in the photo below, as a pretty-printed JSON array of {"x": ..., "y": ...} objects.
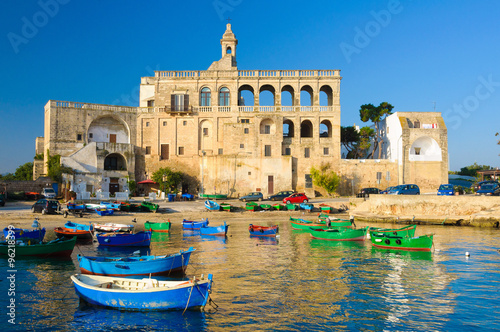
[{"x": 230, "y": 131}]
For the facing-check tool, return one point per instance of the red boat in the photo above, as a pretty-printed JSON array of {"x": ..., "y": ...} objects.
[
  {"x": 268, "y": 231},
  {"x": 80, "y": 234}
]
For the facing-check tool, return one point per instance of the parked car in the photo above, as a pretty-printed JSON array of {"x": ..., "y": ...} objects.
[
  {"x": 386, "y": 190},
  {"x": 48, "y": 193},
  {"x": 296, "y": 198},
  {"x": 365, "y": 192},
  {"x": 2, "y": 199},
  {"x": 255, "y": 196},
  {"x": 446, "y": 190},
  {"x": 479, "y": 185},
  {"x": 46, "y": 206},
  {"x": 279, "y": 196},
  {"x": 489, "y": 189},
  {"x": 405, "y": 189}
]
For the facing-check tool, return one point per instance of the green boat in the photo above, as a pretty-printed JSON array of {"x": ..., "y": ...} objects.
[
  {"x": 336, "y": 222},
  {"x": 265, "y": 207},
  {"x": 325, "y": 208},
  {"x": 149, "y": 207},
  {"x": 404, "y": 231},
  {"x": 62, "y": 247},
  {"x": 220, "y": 196},
  {"x": 278, "y": 206},
  {"x": 225, "y": 206},
  {"x": 291, "y": 207},
  {"x": 419, "y": 243},
  {"x": 163, "y": 227},
  {"x": 135, "y": 207},
  {"x": 298, "y": 223},
  {"x": 340, "y": 234},
  {"x": 251, "y": 206}
]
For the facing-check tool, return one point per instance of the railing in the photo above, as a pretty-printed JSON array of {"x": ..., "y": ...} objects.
[
  {"x": 267, "y": 109},
  {"x": 250, "y": 73},
  {"x": 288, "y": 108},
  {"x": 98, "y": 107},
  {"x": 203, "y": 109},
  {"x": 306, "y": 108},
  {"x": 245, "y": 108}
]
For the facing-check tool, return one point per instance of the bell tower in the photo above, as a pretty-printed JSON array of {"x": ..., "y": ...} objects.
[{"x": 228, "y": 44}]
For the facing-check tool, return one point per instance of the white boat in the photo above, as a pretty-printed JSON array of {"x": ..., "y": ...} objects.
[{"x": 111, "y": 227}]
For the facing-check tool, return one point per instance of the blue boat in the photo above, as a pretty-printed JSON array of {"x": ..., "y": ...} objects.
[
  {"x": 164, "y": 265},
  {"x": 111, "y": 206},
  {"x": 215, "y": 230},
  {"x": 307, "y": 206},
  {"x": 78, "y": 227},
  {"x": 212, "y": 205},
  {"x": 75, "y": 207},
  {"x": 192, "y": 225},
  {"x": 105, "y": 212},
  {"x": 139, "y": 239},
  {"x": 142, "y": 294},
  {"x": 20, "y": 233},
  {"x": 270, "y": 231}
]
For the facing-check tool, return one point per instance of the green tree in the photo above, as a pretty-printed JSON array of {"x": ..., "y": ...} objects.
[
  {"x": 472, "y": 169},
  {"x": 349, "y": 137},
  {"x": 24, "y": 172},
  {"x": 55, "y": 169},
  {"x": 8, "y": 177},
  {"x": 368, "y": 112},
  {"x": 168, "y": 179},
  {"x": 357, "y": 143},
  {"x": 325, "y": 178}
]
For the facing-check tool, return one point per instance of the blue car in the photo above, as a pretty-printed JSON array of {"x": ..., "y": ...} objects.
[
  {"x": 255, "y": 196},
  {"x": 405, "y": 189},
  {"x": 490, "y": 189},
  {"x": 446, "y": 190}
]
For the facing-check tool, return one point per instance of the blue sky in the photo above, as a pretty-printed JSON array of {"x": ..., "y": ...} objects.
[{"x": 416, "y": 55}]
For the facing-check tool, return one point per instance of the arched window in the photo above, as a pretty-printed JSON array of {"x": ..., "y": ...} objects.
[
  {"x": 205, "y": 97},
  {"x": 224, "y": 97},
  {"x": 228, "y": 50}
]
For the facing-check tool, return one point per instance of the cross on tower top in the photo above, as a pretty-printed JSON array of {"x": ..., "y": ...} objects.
[{"x": 228, "y": 20}]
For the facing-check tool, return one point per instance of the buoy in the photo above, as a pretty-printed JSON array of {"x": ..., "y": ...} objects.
[{"x": 467, "y": 254}]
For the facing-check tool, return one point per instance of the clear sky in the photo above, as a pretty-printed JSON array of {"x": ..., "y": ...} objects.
[{"x": 417, "y": 55}]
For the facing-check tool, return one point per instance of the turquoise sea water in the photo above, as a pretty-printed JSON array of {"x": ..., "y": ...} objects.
[{"x": 294, "y": 283}]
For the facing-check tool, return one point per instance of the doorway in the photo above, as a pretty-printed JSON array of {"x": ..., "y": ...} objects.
[{"x": 270, "y": 184}]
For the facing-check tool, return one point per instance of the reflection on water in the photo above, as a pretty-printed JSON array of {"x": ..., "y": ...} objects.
[{"x": 289, "y": 283}]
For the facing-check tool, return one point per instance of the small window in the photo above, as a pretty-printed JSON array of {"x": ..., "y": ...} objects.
[
  {"x": 91, "y": 135},
  {"x": 249, "y": 173},
  {"x": 416, "y": 124},
  {"x": 181, "y": 150},
  {"x": 148, "y": 150},
  {"x": 267, "y": 151},
  {"x": 164, "y": 123},
  {"x": 288, "y": 151},
  {"x": 308, "y": 180},
  {"x": 379, "y": 177},
  {"x": 79, "y": 137},
  {"x": 242, "y": 146},
  {"x": 417, "y": 151},
  {"x": 151, "y": 103},
  {"x": 220, "y": 151},
  {"x": 147, "y": 124},
  {"x": 326, "y": 151},
  {"x": 205, "y": 131},
  {"x": 184, "y": 123},
  {"x": 307, "y": 153},
  {"x": 246, "y": 130},
  {"x": 245, "y": 120},
  {"x": 267, "y": 129}
]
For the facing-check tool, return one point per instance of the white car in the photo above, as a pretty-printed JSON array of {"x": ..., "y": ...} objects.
[{"x": 48, "y": 193}]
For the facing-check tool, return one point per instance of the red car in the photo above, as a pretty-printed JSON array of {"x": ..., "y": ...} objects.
[{"x": 296, "y": 198}]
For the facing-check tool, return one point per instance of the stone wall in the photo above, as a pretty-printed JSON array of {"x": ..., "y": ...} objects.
[{"x": 26, "y": 186}]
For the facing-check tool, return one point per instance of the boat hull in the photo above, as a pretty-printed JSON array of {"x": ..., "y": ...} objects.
[
  {"x": 404, "y": 231},
  {"x": 194, "y": 225},
  {"x": 110, "y": 227},
  {"x": 140, "y": 239},
  {"x": 271, "y": 231},
  {"x": 340, "y": 234},
  {"x": 175, "y": 295},
  {"x": 80, "y": 234},
  {"x": 420, "y": 243},
  {"x": 216, "y": 230},
  {"x": 165, "y": 265},
  {"x": 306, "y": 224},
  {"x": 161, "y": 227},
  {"x": 212, "y": 206},
  {"x": 56, "y": 248},
  {"x": 19, "y": 233}
]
